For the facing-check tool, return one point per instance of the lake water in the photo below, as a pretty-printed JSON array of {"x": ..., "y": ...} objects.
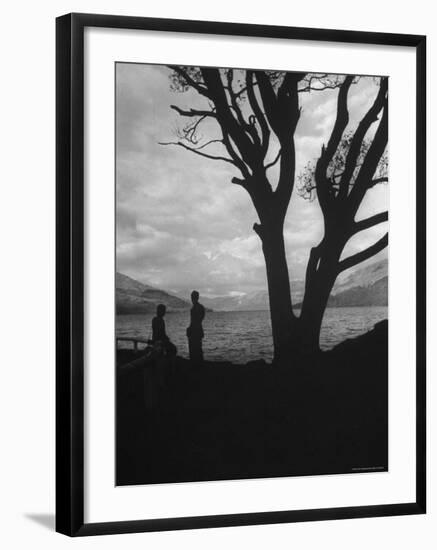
[{"x": 241, "y": 336}]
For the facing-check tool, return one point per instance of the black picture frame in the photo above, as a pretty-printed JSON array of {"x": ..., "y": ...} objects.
[{"x": 70, "y": 487}]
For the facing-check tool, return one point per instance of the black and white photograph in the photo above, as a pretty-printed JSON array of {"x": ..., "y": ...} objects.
[
  {"x": 251, "y": 273},
  {"x": 218, "y": 268}
]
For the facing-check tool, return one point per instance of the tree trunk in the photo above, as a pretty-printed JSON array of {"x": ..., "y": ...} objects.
[
  {"x": 278, "y": 282},
  {"x": 320, "y": 278}
]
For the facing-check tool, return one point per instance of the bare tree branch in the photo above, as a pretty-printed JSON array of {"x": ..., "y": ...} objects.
[
  {"x": 289, "y": 113},
  {"x": 189, "y": 132},
  {"x": 259, "y": 115},
  {"x": 234, "y": 102},
  {"x": 208, "y": 143},
  {"x": 193, "y": 112},
  {"x": 361, "y": 225},
  {"x": 328, "y": 152},
  {"x": 226, "y": 119},
  {"x": 238, "y": 161},
  {"x": 269, "y": 100},
  {"x": 241, "y": 91},
  {"x": 371, "y": 161},
  {"x": 239, "y": 181},
  {"x": 203, "y": 90},
  {"x": 319, "y": 89},
  {"x": 194, "y": 150},
  {"x": 267, "y": 166},
  {"x": 363, "y": 254},
  {"x": 375, "y": 181},
  {"x": 357, "y": 141},
  {"x": 325, "y": 81},
  {"x": 341, "y": 121},
  {"x": 246, "y": 126}
]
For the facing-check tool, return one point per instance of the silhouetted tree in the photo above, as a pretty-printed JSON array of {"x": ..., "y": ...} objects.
[
  {"x": 254, "y": 110},
  {"x": 349, "y": 165},
  {"x": 257, "y": 112}
]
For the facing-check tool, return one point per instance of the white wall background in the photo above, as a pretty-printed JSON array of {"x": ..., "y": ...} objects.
[{"x": 27, "y": 170}]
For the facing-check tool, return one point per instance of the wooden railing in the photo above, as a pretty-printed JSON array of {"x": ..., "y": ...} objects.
[{"x": 135, "y": 341}]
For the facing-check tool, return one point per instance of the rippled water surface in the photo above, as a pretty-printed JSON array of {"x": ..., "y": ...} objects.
[{"x": 241, "y": 336}]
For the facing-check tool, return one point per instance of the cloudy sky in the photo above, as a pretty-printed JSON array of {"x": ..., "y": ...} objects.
[{"x": 181, "y": 223}]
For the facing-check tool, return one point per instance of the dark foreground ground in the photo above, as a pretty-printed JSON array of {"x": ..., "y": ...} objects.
[{"x": 321, "y": 415}]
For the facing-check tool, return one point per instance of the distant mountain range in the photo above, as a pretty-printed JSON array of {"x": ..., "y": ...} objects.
[
  {"x": 253, "y": 301},
  {"x": 132, "y": 296},
  {"x": 362, "y": 276},
  {"x": 375, "y": 294},
  {"x": 366, "y": 286}
]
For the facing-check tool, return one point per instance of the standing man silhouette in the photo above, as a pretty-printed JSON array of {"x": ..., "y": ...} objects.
[{"x": 195, "y": 332}]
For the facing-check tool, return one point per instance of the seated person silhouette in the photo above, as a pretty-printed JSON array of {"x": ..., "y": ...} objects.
[
  {"x": 160, "y": 340},
  {"x": 195, "y": 332}
]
